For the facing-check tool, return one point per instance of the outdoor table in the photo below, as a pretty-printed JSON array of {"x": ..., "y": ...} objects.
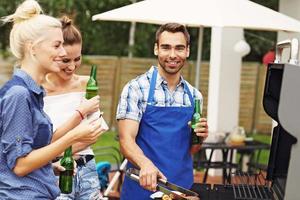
[{"x": 227, "y": 150}]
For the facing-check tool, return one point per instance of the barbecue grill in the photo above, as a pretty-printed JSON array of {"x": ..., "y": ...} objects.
[{"x": 281, "y": 102}]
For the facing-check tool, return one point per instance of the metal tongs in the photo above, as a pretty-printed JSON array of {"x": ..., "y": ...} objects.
[{"x": 164, "y": 186}]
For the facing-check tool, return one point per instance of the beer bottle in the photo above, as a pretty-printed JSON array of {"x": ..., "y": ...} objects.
[
  {"x": 66, "y": 177},
  {"x": 92, "y": 85},
  {"x": 196, "y": 141}
]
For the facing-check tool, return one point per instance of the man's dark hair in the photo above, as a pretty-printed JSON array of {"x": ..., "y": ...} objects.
[{"x": 173, "y": 28}]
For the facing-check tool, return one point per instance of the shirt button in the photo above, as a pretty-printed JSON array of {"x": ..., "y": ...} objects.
[{"x": 18, "y": 139}]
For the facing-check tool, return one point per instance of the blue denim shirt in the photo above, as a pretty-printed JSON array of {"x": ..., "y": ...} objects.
[{"x": 24, "y": 127}]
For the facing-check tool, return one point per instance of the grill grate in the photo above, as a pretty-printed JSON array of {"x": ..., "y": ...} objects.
[{"x": 249, "y": 187}]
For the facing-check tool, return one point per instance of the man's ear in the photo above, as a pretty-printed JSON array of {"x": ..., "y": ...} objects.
[
  {"x": 188, "y": 51},
  {"x": 155, "y": 51}
]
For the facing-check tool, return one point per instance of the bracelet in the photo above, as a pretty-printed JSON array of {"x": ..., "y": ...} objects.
[{"x": 81, "y": 115}]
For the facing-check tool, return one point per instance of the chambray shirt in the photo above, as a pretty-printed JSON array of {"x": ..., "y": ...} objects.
[
  {"x": 133, "y": 99},
  {"x": 24, "y": 127}
]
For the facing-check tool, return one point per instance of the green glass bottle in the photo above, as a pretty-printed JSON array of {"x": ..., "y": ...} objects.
[
  {"x": 92, "y": 85},
  {"x": 196, "y": 141},
  {"x": 66, "y": 177}
]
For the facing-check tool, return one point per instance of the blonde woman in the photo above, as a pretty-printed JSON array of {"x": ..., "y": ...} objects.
[{"x": 25, "y": 130}]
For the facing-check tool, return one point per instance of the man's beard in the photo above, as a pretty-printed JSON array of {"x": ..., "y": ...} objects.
[{"x": 170, "y": 70}]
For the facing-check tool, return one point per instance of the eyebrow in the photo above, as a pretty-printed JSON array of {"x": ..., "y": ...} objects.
[
  {"x": 68, "y": 58},
  {"x": 176, "y": 46},
  {"x": 58, "y": 42}
]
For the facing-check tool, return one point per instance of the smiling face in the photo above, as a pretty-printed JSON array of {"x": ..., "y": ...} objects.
[
  {"x": 49, "y": 51},
  {"x": 172, "y": 51},
  {"x": 71, "y": 61}
]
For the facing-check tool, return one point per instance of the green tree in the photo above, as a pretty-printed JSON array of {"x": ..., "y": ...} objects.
[{"x": 111, "y": 38}]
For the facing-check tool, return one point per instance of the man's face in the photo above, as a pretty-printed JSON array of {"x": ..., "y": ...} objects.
[{"x": 172, "y": 51}]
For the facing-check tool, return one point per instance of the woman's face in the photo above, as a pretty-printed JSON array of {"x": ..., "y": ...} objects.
[
  {"x": 71, "y": 61},
  {"x": 50, "y": 52}
]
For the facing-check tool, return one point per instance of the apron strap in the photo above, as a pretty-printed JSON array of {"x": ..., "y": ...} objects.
[
  {"x": 186, "y": 88},
  {"x": 153, "y": 84},
  {"x": 152, "y": 87}
]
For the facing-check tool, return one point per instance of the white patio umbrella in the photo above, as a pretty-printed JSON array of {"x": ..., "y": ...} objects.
[{"x": 207, "y": 13}]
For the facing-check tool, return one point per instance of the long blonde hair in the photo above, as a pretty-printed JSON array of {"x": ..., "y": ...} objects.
[{"x": 29, "y": 24}]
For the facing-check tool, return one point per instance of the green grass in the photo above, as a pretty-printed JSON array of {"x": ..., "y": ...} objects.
[
  {"x": 108, "y": 139},
  {"x": 264, "y": 156}
]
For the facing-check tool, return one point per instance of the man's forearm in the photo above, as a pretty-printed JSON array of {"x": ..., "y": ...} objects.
[{"x": 133, "y": 152}]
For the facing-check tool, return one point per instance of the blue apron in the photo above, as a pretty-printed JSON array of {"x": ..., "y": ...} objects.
[{"x": 164, "y": 137}]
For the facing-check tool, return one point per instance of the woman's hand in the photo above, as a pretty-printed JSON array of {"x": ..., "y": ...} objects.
[
  {"x": 89, "y": 106},
  {"x": 57, "y": 168},
  {"x": 88, "y": 131}
]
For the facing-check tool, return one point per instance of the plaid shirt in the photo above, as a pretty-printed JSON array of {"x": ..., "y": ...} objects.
[{"x": 133, "y": 100}]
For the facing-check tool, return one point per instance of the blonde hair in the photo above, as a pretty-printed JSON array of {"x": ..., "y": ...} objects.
[{"x": 29, "y": 24}]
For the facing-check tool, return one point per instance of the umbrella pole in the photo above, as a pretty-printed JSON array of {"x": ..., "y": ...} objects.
[{"x": 199, "y": 54}]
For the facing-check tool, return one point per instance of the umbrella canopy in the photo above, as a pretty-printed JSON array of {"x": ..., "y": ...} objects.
[
  {"x": 207, "y": 13},
  {"x": 221, "y": 13}
]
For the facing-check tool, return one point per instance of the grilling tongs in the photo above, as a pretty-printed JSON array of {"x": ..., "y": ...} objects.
[{"x": 165, "y": 186}]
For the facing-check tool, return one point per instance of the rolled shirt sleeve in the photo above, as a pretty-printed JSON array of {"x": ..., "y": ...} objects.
[
  {"x": 130, "y": 103},
  {"x": 17, "y": 136}
]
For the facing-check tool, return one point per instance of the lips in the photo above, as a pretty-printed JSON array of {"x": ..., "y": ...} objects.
[
  {"x": 68, "y": 72},
  {"x": 172, "y": 63}
]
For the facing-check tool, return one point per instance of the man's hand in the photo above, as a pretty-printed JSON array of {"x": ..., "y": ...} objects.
[
  {"x": 149, "y": 175},
  {"x": 201, "y": 130}
]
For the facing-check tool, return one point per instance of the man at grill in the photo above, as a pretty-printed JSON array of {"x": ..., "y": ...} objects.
[{"x": 153, "y": 114}]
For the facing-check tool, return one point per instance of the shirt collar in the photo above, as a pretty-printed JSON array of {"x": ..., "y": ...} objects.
[
  {"x": 160, "y": 80},
  {"x": 31, "y": 84}
]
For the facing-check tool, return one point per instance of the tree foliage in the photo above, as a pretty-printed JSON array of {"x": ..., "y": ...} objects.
[{"x": 111, "y": 38}]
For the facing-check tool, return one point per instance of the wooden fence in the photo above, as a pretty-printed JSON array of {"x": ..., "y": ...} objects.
[{"x": 115, "y": 72}]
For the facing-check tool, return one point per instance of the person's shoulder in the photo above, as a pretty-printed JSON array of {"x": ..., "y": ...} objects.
[
  {"x": 140, "y": 80},
  {"x": 195, "y": 92},
  {"x": 137, "y": 81},
  {"x": 83, "y": 80},
  {"x": 17, "y": 92}
]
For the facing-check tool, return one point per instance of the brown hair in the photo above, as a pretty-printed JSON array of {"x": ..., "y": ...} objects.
[
  {"x": 71, "y": 33},
  {"x": 173, "y": 28}
]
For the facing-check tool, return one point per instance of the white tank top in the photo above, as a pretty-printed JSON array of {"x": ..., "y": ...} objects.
[{"x": 61, "y": 107}]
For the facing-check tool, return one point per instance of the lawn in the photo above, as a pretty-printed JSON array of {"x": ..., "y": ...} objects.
[
  {"x": 264, "y": 156},
  {"x": 105, "y": 148}
]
